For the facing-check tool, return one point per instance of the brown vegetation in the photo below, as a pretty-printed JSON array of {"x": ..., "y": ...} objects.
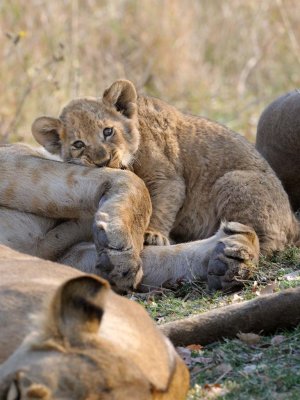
[{"x": 224, "y": 60}]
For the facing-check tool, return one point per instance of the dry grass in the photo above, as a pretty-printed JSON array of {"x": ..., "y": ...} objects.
[{"x": 222, "y": 59}]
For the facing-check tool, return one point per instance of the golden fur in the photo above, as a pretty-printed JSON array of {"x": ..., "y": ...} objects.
[
  {"x": 84, "y": 341},
  {"x": 197, "y": 171},
  {"x": 47, "y": 208}
]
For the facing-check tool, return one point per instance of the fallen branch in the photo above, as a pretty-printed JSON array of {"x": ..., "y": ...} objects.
[{"x": 265, "y": 313}]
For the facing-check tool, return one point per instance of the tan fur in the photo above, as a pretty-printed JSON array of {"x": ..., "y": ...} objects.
[
  {"x": 84, "y": 342},
  {"x": 122, "y": 208},
  {"x": 48, "y": 217},
  {"x": 197, "y": 171}
]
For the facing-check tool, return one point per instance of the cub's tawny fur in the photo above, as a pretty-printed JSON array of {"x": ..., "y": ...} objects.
[
  {"x": 83, "y": 342},
  {"x": 197, "y": 171}
]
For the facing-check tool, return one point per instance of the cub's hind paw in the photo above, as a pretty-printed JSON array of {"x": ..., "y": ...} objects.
[{"x": 155, "y": 238}]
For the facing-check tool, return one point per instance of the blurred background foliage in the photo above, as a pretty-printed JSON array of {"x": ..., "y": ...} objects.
[{"x": 224, "y": 59}]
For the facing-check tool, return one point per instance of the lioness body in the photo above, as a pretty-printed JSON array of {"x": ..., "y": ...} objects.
[
  {"x": 197, "y": 171},
  {"x": 85, "y": 342},
  {"x": 278, "y": 140}
]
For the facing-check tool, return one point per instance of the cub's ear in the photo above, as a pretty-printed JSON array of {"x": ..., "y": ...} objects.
[
  {"x": 121, "y": 95},
  {"x": 77, "y": 307},
  {"x": 46, "y": 131}
]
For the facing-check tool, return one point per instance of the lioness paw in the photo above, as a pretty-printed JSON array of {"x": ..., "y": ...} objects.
[
  {"x": 155, "y": 238},
  {"x": 234, "y": 258},
  {"x": 121, "y": 269},
  {"x": 118, "y": 259}
]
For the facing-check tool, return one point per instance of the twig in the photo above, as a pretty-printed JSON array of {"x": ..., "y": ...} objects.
[{"x": 289, "y": 30}]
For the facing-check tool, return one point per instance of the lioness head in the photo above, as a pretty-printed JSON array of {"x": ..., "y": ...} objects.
[
  {"x": 94, "y": 132},
  {"x": 87, "y": 349}
]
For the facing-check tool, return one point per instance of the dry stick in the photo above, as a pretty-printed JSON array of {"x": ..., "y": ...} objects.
[
  {"x": 265, "y": 313},
  {"x": 289, "y": 30}
]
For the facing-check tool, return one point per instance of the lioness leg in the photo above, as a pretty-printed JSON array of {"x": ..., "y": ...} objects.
[
  {"x": 82, "y": 256},
  {"x": 123, "y": 215},
  {"x": 23, "y": 231},
  {"x": 44, "y": 237},
  {"x": 221, "y": 259},
  {"x": 64, "y": 235},
  {"x": 30, "y": 183}
]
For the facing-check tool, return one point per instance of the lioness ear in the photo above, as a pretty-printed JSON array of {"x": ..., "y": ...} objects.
[
  {"x": 46, "y": 131},
  {"x": 121, "y": 95},
  {"x": 78, "y": 307}
]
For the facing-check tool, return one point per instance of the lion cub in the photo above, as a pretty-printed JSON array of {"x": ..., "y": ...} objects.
[{"x": 197, "y": 171}]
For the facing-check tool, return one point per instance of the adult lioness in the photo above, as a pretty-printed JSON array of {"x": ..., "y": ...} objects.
[
  {"x": 197, "y": 171},
  {"x": 85, "y": 342}
]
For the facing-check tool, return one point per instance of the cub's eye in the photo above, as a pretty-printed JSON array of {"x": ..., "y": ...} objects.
[
  {"x": 108, "y": 132},
  {"x": 78, "y": 144}
]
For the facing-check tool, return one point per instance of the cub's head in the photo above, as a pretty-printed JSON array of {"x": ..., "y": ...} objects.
[{"x": 94, "y": 132}]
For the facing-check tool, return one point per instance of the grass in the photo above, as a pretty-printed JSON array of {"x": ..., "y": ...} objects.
[
  {"x": 233, "y": 369},
  {"x": 236, "y": 370}
]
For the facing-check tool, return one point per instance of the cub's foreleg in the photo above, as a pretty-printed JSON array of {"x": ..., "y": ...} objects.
[{"x": 167, "y": 196}]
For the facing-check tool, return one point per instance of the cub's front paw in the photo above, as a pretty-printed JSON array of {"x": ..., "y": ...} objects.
[
  {"x": 234, "y": 258},
  {"x": 155, "y": 238}
]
